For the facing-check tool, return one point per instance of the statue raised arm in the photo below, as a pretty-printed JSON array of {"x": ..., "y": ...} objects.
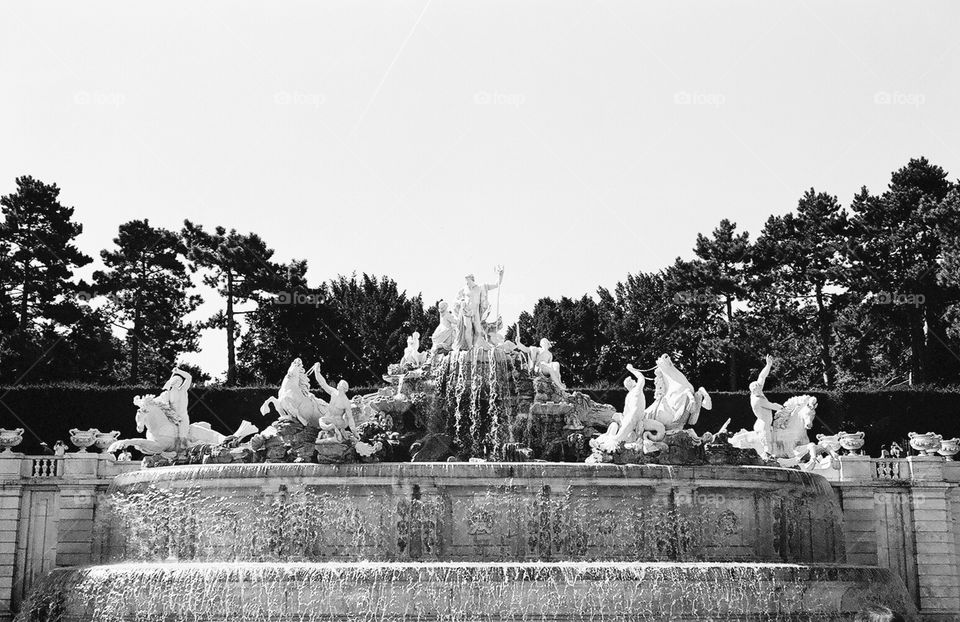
[
  {"x": 174, "y": 400},
  {"x": 763, "y": 408},
  {"x": 474, "y": 307},
  {"x": 338, "y": 421}
]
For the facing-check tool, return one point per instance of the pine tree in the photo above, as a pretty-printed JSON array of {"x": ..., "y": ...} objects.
[
  {"x": 720, "y": 271},
  {"x": 896, "y": 252},
  {"x": 147, "y": 285},
  {"x": 801, "y": 257},
  {"x": 241, "y": 270},
  {"x": 37, "y": 239}
]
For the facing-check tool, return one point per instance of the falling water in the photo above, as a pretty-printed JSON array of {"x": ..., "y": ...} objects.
[
  {"x": 478, "y": 400},
  {"x": 448, "y": 592},
  {"x": 499, "y": 523}
]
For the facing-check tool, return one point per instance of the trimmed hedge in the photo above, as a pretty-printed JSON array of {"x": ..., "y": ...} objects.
[{"x": 48, "y": 412}]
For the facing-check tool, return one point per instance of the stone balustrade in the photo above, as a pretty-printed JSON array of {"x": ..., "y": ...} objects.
[{"x": 902, "y": 514}]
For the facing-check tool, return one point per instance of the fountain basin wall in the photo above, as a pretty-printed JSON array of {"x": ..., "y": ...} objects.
[
  {"x": 268, "y": 592},
  {"x": 472, "y": 512}
]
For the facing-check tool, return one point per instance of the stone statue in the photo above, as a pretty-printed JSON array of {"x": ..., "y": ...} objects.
[
  {"x": 294, "y": 400},
  {"x": 763, "y": 409},
  {"x": 788, "y": 441},
  {"x": 632, "y": 426},
  {"x": 473, "y": 300},
  {"x": 168, "y": 428},
  {"x": 412, "y": 356},
  {"x": 445, "y": 332},
  {"x": 338, "y": 421},
  {"x": 495, "y": 338},
  {"x": 540, "y": 361},
  {"x": 675, "y": 403},
  {"x": 173, "y": 400}
]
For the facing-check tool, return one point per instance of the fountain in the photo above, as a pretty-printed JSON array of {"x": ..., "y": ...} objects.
[{"x": 323, "y": 517}]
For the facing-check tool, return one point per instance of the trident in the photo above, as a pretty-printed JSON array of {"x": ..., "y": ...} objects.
[{"x": 499, "y": 270}]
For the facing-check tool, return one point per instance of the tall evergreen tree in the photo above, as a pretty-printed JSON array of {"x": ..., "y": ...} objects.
[
  {"x": 720, "y": 271},
  {"x": 239, "y": 268},
  {"x": 39, "y": 233},
  {"x": 897, "y": 250},
  {"x": 37, "y": 238},
  {"x": 147, "y": 287},
  {"x": 802, "y": 256}
]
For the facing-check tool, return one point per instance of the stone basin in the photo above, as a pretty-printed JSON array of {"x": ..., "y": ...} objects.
[{"x": 470, "y": 512}]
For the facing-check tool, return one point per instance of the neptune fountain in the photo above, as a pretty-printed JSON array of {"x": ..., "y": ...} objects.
[{"x": 473, "y": 486}]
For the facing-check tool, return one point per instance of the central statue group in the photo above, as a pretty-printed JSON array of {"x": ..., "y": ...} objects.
[{"x": 342, "y": 429}]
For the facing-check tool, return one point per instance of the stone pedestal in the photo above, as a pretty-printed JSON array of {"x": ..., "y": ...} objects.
[{"x": 936, "y": 547}]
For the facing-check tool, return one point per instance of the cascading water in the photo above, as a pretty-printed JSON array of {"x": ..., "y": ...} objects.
[
  {"x": 459, "y": 542},
  {"x": 478, "y": 400},
  {"x": 366, "y": 592}
]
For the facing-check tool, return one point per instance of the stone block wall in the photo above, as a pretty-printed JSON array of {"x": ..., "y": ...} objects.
[
  {"x": 905, "y": 515},
  {"x": 47, "y": 510}
]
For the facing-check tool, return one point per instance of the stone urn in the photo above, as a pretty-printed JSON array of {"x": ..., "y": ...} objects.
[
  {"x": 830, "y": 444},
  {"x": 103, "y": 440},
  {"x": 10, "y": 439},
  {"x": 851, "y": 441},
  {"x": 927, "y": 444},
  {"x": 949, "y": 448},
  {"x": 83, "y": 438}
]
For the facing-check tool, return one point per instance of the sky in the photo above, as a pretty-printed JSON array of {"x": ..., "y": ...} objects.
[{"x": 571, "y": 141}]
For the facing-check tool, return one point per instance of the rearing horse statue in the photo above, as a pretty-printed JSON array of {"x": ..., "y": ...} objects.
[
  {"x": 790, "y": 442},
  {"x": 295, "y": 400}
]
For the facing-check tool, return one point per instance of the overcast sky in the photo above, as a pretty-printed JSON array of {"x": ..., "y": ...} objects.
[{"x": 570, "y": 141}]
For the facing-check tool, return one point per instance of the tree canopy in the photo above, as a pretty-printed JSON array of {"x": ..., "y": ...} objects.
[{"x": 846, "y": 296}]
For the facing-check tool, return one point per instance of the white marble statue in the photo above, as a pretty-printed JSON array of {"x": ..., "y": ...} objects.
[
  {"x": 632, "y": 426},
  {"x": 412, "y": 356},
  {"x": 675, "y": 402},
  {"x": 167, "y": 423},
  {"x": 474, "y": 304},
  {"x": 788, "y": 441},
  {"x": 763, "y": 409},
  {"x": 294, "y": 400},
  {"x": 445, "y": 332},
  {"x": 338, "y": 421},
  {"x": 496, "y": 338},
  {"x": 540, "y": 361}
]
